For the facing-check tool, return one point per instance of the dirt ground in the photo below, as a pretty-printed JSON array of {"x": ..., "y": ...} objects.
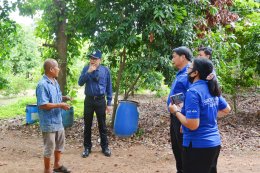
[
  {"x": 23, "y": 154},
  {"x": 148, "y": 151}
]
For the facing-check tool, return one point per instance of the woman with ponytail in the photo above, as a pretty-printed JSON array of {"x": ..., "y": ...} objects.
[{"x": 203, "y": 104}]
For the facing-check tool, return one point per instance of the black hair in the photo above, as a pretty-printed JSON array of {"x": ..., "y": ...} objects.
[
  {"x": 207, "y": 50},
  {"x": 183, "y": 51},
  {"x": 204, "y": 68}
]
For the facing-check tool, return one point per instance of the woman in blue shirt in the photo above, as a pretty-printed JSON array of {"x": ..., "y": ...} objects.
[{"x": 203, "y": 104}]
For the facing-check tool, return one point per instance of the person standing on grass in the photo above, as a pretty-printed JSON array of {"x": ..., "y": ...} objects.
[
  {"x": 98, "y": 84},
  {"x": 50, "y": 104},
  {"x": 181, "y": 58},
  {"x": 203, "y": 104}
]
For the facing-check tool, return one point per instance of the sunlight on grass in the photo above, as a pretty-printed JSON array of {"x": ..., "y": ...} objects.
[{"x": 18, "y": 108}]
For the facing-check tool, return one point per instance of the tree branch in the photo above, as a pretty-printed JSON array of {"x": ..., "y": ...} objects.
[
  {"x": 132, "y": 86},
  {"x": 49, "y": 45}
]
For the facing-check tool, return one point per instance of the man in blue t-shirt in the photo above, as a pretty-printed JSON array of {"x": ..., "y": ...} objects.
[
  {"x": 181, "y": 58},
  {"x": 203, "y": 104}
]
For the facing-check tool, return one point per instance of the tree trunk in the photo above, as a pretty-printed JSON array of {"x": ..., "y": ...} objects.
[
  {"x": 118, "y": 80},
  {"x": 62, "y": 43},
  {"x": 131, "y": 88},
  {"x": 234, "y": 99}
]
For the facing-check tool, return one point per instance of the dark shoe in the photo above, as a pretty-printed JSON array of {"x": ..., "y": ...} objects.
[
  {"x": 61, "y": 169},
  {"x": 86, "y": 153},
  {"x": 106, "y": 152}
]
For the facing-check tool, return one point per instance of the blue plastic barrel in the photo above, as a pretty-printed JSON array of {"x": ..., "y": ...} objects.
[
  {"x": 126, "y": 119},
  {"x": 68, "y": 117},
  {"x": 31, "y": 114}
]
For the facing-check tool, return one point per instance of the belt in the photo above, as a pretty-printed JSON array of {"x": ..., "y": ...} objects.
[{"x": 96, "y": 97}]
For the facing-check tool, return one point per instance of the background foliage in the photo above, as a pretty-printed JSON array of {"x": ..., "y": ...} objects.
[{"x": 136, "y": 38}]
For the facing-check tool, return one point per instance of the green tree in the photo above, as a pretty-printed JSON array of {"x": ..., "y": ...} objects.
[
  {"x": 58, "y": 28},
  {"x": 8, "y": 38},
  {"x": 24, "y": 56},
  {"x": 138, "y": 36},
  {"x": 236, "y": 49}
]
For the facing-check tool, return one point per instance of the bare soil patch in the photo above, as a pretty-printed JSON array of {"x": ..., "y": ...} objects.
[{"x": 147, "y": 151}]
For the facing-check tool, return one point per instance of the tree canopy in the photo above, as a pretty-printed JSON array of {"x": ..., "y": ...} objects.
[{"x": 137, "y": 38}]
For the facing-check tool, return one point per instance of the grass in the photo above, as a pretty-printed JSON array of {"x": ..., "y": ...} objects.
[
  {"x": 18, "y": 108},
  {"x": 78, "y": 105}
]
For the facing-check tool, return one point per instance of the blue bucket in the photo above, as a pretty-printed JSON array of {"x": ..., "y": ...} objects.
[
  {"x": 67, "y": 117},
  {"x": 31, "y": 114},
  {"x": 126, "y": 120}
]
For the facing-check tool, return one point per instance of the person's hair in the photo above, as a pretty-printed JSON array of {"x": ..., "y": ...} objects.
[
  {"x": 183, "y": 51},
  {"x": 204, "y": 68},
  {"x": 206, "y": 50},
  {"x": 48, "y": 64}
]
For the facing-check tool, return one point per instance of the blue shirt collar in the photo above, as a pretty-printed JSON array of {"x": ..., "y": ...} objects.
[
  {"x": 198, "y": 82},
  {"x": 45, "y": 77},
  {"x": 184, "y": 69}
]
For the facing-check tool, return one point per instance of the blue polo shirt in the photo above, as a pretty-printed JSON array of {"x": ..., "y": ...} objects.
[
  {"x": 200, "y": 104},
  {"x": 48, "y": 92},
  {"x": 180, "y": 84},
  {"x": 97, "y": 83}
]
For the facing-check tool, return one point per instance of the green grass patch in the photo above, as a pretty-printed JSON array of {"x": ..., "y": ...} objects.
[
  {"x": 78, "y": 105},
  {"x": 18, "y": 108}
]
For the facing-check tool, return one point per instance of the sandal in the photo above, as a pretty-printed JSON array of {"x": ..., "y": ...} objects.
[{"x": 61, "y": 169}]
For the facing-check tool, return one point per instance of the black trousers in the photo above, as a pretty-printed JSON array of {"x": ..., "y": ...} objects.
[
  {"x": 200, "y": 160},
  {"x": 97, "y": 105},
  {"x": 176, "y": 140}
]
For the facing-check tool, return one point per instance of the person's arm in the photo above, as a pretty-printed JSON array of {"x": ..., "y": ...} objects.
[
  {"x": 65, "y": 98},
  {"x": 84, "y": 77},
  {"x": 171, "y": 93},
  {"x": 223, "y": 107},
  {"x": 224, "y": 112},
  {"x": 43, "y": 99},
  {"x": 49, "y": 106},
  {"x": 181, "y": 86},
  {"x": 109, "y": 88},
  {"x": 192, "y": 111},
  {"x": 191, "y": 124}
]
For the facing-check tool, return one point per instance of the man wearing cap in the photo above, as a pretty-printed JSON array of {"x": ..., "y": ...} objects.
[
  {"x": 98, "y": 84},
  {"x": 181, "y": 58}
]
